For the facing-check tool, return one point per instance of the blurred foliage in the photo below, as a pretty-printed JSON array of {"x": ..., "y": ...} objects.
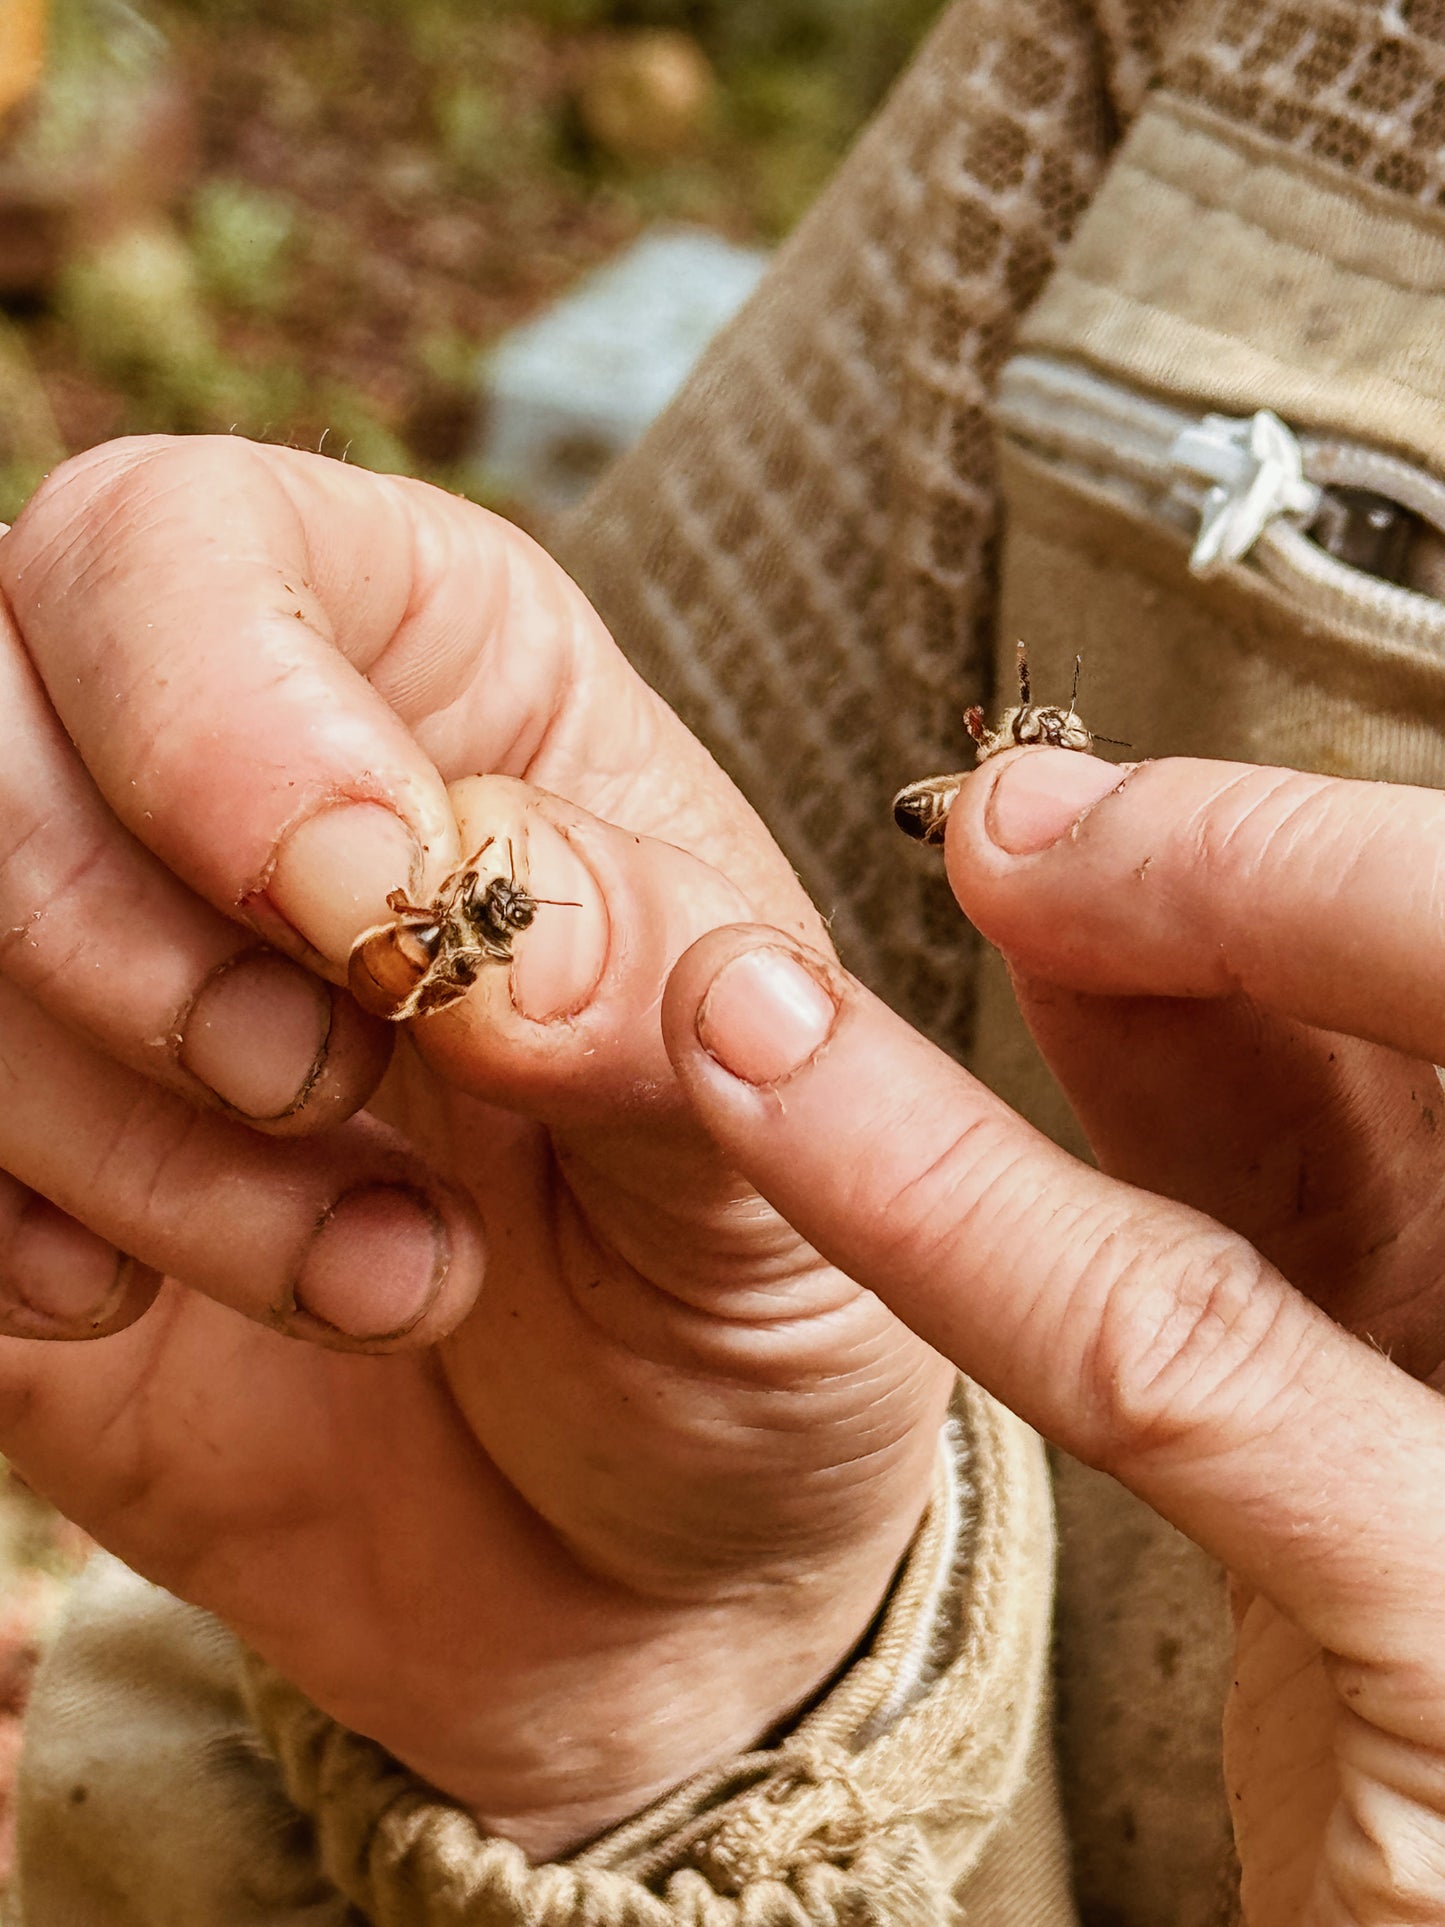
[
  {"x": 98, "y": 51},
  {"x": 241, "y": 238},
  {"x": 382, "y": 187},
  {"x": 32, "y": 442}
]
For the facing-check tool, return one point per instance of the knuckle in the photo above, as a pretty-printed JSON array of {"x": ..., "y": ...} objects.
[
  {"x": 143, "y": 1161},
  {"x": 937, "y": 1220},
  {"x": 1261, "y": 820},
  {"x": 1185, "y": 1350}
]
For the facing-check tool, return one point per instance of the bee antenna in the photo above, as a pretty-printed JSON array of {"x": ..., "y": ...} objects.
[
  {"x": 1074, "y": 692},
  {"x": 1023, "y": 659},
  {"x": 564, "y": 903},
  {"x": 1117, "y": 742}
]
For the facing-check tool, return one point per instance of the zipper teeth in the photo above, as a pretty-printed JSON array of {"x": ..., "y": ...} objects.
[{"x": 1067, "y": 411}]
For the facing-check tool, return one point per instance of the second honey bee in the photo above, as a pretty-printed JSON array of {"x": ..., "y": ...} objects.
[{"x": 921, "y": 809}]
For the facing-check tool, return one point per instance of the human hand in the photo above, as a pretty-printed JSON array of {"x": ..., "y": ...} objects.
[
  {"x": 592, "y": 1471},
  {"x": 1235, "y": 973}
]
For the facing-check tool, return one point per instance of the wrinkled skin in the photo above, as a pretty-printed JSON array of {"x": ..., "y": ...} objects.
[
  {"x": 635, "y": 1466},
  {"x": 629, "y": 1485},
  {"x": 1236, "y": 974}
]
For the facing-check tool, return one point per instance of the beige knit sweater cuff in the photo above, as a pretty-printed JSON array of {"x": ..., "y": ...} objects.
[{"x": 922, "y": 1779}]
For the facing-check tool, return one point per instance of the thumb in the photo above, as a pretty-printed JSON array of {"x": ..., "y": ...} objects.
[
  {"x": 562, "y": 1023},
  {"x": 568, "y": 1031},
  {"x": 1140, "y": 1335}
]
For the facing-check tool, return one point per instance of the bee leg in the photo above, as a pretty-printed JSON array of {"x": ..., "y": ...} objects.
[{"x": 477, "y": 855}]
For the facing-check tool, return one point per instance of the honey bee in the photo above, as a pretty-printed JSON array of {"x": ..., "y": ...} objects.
[
  {"x": 921, "y": 809},
  {"x": 429, "y": 955}
]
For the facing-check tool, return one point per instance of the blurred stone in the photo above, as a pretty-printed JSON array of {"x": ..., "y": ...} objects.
[
  {"x": 646, "y": 97},
  {"x": 574, "y": 388}
]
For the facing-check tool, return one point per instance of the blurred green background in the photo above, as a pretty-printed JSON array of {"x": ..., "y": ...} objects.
[{"x": 302, "y": 219}]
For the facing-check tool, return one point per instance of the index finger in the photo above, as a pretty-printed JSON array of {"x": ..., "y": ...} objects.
[
  {"x": 1140, "y": 1335},
  {"x": 1316, "y": 897}
]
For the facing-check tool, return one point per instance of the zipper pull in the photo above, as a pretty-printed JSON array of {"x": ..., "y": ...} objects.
[{"x": 1256, "y": 466}]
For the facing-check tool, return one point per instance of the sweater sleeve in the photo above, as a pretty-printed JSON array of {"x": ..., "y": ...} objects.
[{"x": 170, "y": 1768}]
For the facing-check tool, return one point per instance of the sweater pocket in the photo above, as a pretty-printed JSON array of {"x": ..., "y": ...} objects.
[
  {"x": 1237, "y": 585},
  {"x": 1222, "y": 441}
]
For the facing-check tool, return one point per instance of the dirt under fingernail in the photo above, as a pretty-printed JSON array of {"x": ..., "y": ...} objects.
[
  {"x": 257, "y": 1034},
  {"x": 61, "y": 1270},
  {"x": 377, "y": 1261}
]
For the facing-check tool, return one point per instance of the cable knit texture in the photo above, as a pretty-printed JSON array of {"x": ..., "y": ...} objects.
[{"x": 882, "y": 1805}]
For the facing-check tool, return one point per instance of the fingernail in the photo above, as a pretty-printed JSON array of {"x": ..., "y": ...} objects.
[
  {"x": 765, "y": 1016},
  {"x": 1037, "y": 797},
  {"x": 257, "y": 1034},
  {"x": 62, "y": 1271},
  {"x": 557, "y": 963},
  {"x": 376, "y": 1263},
  {"x": 334, "y": 872}
]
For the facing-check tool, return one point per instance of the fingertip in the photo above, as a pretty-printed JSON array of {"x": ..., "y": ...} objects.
[
  {"x": 1010, "y": 829},
  {"x": 565, "y": 1024},
  {"x": 283, "y": 1051},
  {"x": 767, "y": 1012},
  {"x": 556, "y": 970},
  {"x": 391, "y": 1265},
  {"x": 746, "y": 1010},
  {"x": 358, "y": 1052},
  {"x": 1041, "y": 796},
  {"x": 60, "y": 1281},
  {"x": 333, "y": 872}
]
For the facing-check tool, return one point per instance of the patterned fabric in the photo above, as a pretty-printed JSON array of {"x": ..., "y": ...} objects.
[
  {"x": 814, "y": 589},
  {"x": 1360, "y": 86}
]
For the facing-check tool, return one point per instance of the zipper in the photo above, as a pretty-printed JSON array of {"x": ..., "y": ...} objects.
[{"x": 1333, "y": 522}]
